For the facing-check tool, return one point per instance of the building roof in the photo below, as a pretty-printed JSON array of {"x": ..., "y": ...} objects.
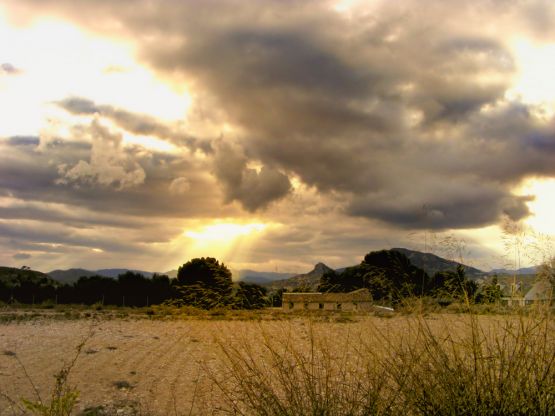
[
  {"x": 542, "y": 290},
  {"x": 360, "y": 295}
]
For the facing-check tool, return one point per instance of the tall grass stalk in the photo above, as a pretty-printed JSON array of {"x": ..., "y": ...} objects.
[
  {"x": 470, "y": 366},
  {"x": 504, "y": 369},
  {"x": 317, "y": 376}
]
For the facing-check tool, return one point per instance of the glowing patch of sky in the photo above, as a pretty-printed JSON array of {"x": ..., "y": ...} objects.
[
  {"x": 57, "y": 60},
  {"x": 535, "y": 83},
  {"x": 227, "y": 241},
  {"x": 543, "y": 206}
]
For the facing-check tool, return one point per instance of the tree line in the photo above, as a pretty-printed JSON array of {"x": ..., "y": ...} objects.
[
  {"x": 206, "y": 283},
  {"x": 202, "y": 282},
  {"x": 390, "y": 277}
]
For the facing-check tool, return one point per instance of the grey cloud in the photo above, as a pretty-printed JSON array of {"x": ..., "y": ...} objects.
[
  {"x": 78, "y": 105},
  {"x": 449, "y": 206},
  {"x": 108, "y": 164},
  {"x": 385, "y": 106},
  {"x": 9, "y": 69},
  {"x": 72, "y": 216},
  {"x": 21, "y": 256},
  {"x": 253, "y": 189},
  {"x": 23, "y": 141},
  {"x": 58, "y": 235},
  {"x": 141, "y": 124},
  {"x": 180, "y": 186},
  {"x": 30, "y": 175}
]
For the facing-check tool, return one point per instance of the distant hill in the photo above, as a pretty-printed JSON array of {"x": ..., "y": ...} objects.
[
  {"x": 251, "y": 276},
  {"x": 172, "y": 274},
  {"x": 432, "y": 264},
  {"x": 248, "y": 276},
  {"x": 426, "y": 261},
  {"x": 13, "y": 277},
  {"x": 70, "y": 276},
  {"x": 520, "y": 272},
  {"x": 114, "y": 273},
  {"x": 309, "y": 280}
]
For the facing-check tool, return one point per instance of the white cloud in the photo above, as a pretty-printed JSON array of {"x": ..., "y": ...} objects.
[
  {"x": 109, "y": 164},
  {"x": 179, "y": 186}
]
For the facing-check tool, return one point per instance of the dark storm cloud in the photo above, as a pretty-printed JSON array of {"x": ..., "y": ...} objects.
[
  {"x": 450, "y": 206},
  {"x": 253, "y": 189},
  {"x": 387, "y": 106}
]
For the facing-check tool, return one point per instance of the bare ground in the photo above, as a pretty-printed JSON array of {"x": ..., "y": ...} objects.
[{"x": 134, "y": 366}]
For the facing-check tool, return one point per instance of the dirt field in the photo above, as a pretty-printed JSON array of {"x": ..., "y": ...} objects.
[{"x": 157, "y": 367}]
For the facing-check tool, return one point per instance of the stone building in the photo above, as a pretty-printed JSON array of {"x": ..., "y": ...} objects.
[
  {"x": 360, "y": 299},
  {"x": 541, "y": 292}
]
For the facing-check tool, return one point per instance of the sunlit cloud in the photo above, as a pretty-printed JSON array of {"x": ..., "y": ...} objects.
[
  {"x": 149, "y": 142},
  {"x": 535, "y": 83},
  {"x": 543, "y": 204},
  {"x": 197, "y": 128},
  {"x": 228, "y": 241},
  {"x": 59, "y": 60}
]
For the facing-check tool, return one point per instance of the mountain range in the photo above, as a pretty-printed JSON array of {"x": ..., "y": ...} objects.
[
  {"x": 72, "y": 275},
  {"x": 274, "y": 280},
  {"x": 523, "y": 271},
  {"x": 432, "y": 264},
  {"x": 308, "y": 280}
]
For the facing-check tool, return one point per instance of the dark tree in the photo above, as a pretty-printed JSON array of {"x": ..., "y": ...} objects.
[
  {"x": 489, "y": 292},
  {"x": 133, "y": 289},
  {"x": 95, "y": 289},
  {"x": 161, "y": 289},
  {"x": 453, "y": 285},
  {"x": 250, "y": 296},
  {"x": 387, "y": 274},
  {"x": 349, "y": 280},
  {"x": 276, "y": 298},
  {"x": 205, "y": 282}
]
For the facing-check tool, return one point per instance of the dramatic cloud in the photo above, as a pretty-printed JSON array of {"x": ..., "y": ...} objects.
[
  {"x": 140, "y": 124},
  {"x": 384, "y": 116},
  {"x": 253, "y": 188},
  {"x": 108, "y": 164},
  {"x": 351, "y": 103}
]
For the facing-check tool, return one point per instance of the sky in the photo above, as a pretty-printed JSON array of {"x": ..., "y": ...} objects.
[{"x": 274, "y": 134}]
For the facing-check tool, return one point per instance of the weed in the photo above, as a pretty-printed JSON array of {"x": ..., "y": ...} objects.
[{"x": 63, "y": 397}]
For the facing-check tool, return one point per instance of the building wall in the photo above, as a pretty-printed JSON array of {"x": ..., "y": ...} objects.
[{"x": 328, "y": 306}]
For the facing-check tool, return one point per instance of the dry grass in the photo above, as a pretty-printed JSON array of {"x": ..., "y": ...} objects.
[
  {"x": 415, "y": 364},
  {"x": 469, "y": 366}
]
